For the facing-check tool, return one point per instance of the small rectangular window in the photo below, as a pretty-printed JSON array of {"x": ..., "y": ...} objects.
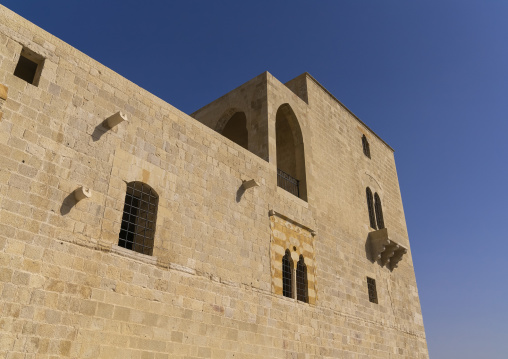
[
  {"x": 371, "y": 285},
  {"x": 29, "y": 66}
]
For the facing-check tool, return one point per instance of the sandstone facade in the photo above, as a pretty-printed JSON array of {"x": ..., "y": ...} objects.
[{"x": 212, "y": 285}]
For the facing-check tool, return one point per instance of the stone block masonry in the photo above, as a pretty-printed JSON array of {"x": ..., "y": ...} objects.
[{"x": 212, "y": 286}]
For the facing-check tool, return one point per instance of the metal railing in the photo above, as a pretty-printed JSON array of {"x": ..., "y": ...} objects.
[{"x": 290, "y": 184}]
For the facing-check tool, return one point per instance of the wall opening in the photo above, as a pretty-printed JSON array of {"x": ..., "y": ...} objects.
[
  {"x": 29, "y": 66},
  {"x": 139, "y": 217},
  {"x": 287, "y": 275},
  {"x": 301, "y": 281},
  {"x": 290, "y": 153},
  {"x": 371, "y": 286},
  {"x": 236, "y": 130}
]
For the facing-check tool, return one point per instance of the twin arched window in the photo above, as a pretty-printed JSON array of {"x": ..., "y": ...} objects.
[
  {"x": 139, "y": 217},
  {"x": 375, "y": 210},
  {"x": 302, "y": 293}
]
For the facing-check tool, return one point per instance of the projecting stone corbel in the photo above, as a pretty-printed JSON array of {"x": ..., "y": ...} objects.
[
  {"x": 116, "y": 119},
  {"x": 82, "y": 193},
  {"x": 249, "y": 184},
  {"x": 384, "y": 250}
]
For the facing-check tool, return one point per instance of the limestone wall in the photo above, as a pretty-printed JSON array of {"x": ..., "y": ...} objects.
[{"x": 68, "y": 290}]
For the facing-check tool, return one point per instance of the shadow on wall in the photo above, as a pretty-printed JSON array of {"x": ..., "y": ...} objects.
[
  {"x": 239, "y": 193},
  {"x": 68, "y": 203},
  {"x": 100, "y": 130}
]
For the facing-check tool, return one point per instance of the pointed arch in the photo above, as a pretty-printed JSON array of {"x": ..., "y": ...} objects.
[
  {"x": 301, "y": 281},
  {"x": 137, "y": 230},
  {"x": 235, "y": 129},
  {"x": 287, "y": 275},
  {"x": 379, "y": 212},
  {"x": 290, "y": 152},
  {"x": 370, "y": 206}
]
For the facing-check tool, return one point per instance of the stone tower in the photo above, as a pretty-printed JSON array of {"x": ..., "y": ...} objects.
[{"x": 268, "y": 224}]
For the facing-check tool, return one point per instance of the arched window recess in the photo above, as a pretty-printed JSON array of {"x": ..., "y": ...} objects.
[
  {"x": 290, "y": 153},
  {"x": 139, "y": 218},
  {"x": 287, "y": 275},
  {"x": 366, "y": 146}
]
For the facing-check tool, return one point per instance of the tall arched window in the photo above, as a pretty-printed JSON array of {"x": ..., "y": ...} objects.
[
  {"x": 287, "y": 275},
  {"x": 139, "y": 216},
  {"x": 301, "y": 281},
  {"x": 290, "y": 153},
  {"x": 366, "y": 147},
  {"x": 370, "y": 206},
  {"x": 379, "y": 212}
]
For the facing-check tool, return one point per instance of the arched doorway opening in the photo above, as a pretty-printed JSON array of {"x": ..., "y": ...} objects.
[{"x": 290, "y": 153}]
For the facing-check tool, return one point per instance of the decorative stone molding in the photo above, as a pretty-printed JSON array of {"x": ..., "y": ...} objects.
[{"x": 385, "y": 250}]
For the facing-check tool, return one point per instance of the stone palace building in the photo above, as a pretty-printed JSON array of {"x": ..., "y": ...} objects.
[{"x": 267, "y": 224}]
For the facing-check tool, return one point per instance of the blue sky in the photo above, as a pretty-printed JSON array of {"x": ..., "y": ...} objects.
[{"x": 430, "y": 77}]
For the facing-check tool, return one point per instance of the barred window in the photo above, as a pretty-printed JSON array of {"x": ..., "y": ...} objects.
[
  {"x": 379, "y": 212},
  {"x": 139, "y": 216},
  {"x": 370, "y": 206},
  {"x": 301, "y": 281},
  {"x": 371, "y": 286},
  {"x": 366, "y": 147},
  {"x": 287, "y": 275}
]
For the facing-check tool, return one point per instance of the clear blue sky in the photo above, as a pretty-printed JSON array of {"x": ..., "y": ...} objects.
[{"x": 430, "y": 77}]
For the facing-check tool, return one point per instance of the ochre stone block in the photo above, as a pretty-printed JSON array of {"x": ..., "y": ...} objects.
[{"x": 4, "y": 90}]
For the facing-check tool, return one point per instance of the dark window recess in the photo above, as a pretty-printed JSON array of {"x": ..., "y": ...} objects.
[
  {"x": 139, "y": 217},
  {"x": 290, "y": 184},
  {"x": 301, "y": 281},
  {"x": 287, "y": 275},
  {"x": 366, "y": 147},
  {"x": 379, "y": 212},
  {"x": 371, "y": 286},
  {"x": 29, "y": 67},
  {"x": 370, "y": 206}
]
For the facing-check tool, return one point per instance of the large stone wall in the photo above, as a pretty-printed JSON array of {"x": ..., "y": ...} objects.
[{"x": 68, "y": 290}]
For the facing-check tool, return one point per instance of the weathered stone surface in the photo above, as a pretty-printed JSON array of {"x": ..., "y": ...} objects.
[{"x": 211, "y": 288}]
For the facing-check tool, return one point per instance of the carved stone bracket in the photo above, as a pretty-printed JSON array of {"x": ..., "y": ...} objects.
[{"x": 383, "y": 249}]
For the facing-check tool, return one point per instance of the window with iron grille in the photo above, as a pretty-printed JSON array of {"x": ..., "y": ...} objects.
[
  {"x": 379, "y": 212},
  {"x": 370, "y": 206},
  {"x": 139, "y": 217},
  {"x": 366, "y": 147},
  {"x": 287, "y": 275},
  {"x": 371, "y": 286},
  {"x": 301, "y": 281}
]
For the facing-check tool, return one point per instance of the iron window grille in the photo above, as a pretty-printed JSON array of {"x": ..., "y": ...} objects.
[
  {"x": 379, "y": 212},
  {"x": 139, "y": 217},
  {"x": 301, "y": 281},
  {"x": 370, "y": 205},
  {"x": 287, "y": 275},
  {"x": 366, "y": 146},
  {"x": 288, "y": 183},
  {"x": 371, "y": 286}
]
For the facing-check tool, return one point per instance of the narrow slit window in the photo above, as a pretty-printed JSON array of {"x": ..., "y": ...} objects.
[
  {"x": 366, "y": 147},
  {"x": 379, "y": 212},
  {"x": 139, "y": 217},
  {"x": 370, "y": 206},
  {"x": 301, "y": 281},
  {"x": 371, "y": 286},
  {"x": 29, "y": 67},
  {"x": 287, "y": 275}
]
